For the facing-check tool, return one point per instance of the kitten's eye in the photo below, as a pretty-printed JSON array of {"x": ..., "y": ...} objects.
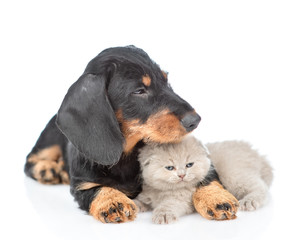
[
  {"x": 170, "y": 168},
  {"x": 189, "y": 165}
]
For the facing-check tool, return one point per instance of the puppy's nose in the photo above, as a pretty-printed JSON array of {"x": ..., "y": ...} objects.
[{"x": 190, "y": 121}]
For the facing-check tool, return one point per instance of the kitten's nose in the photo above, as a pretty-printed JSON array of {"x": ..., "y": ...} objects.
[{"x": 182, "y": 176}]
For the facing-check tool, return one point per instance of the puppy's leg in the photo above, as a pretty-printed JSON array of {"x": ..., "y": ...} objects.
[
  {"x": 214, "y": 202},
  {"x": 107, "y": 205},
  {"x": 46, "y": 163},
  {"x": 248, "y": 188}
]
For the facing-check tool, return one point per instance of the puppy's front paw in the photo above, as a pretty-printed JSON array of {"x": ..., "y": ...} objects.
[
  {"x": 215, "y": 203},
  {"x": 112, "y": 206},
  {"x": 162, "y": 217}
]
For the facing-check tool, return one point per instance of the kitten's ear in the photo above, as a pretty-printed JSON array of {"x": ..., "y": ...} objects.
[
  {"x": 146, "y": 162},
  {"x": 146, "y": 154}
]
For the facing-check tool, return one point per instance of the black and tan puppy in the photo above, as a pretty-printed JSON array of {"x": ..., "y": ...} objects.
[{"x": 122, "y": 101}]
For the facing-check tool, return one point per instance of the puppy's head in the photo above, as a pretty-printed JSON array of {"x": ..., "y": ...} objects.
[{"x": 122, "y": 97}]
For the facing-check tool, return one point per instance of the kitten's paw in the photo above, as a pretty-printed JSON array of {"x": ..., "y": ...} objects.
[
  {"x": 141, "y": 207},
  {"x": 161, "y": 217},
  {"x": 215, "y": 203},
  {"x": 251, "y": 202}
]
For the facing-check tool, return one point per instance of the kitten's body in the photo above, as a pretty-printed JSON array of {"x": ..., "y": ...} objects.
[
  {"x": 167, "y": 205},
  {"x": 242, "y": 170},
  {"x": 169, "y": 192}
]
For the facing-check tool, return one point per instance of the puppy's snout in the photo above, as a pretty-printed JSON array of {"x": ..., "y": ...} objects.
[{"x": 190, "y": 121}]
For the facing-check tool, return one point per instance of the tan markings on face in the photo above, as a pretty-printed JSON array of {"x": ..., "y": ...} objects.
[
  {"x": 127, "y": 128},
  {"x": 162, "y": 127},
  {"x": 146, "y": 80}
]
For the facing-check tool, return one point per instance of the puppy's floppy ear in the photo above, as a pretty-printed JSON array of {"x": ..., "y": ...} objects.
[{"x": 87, "y": 119}]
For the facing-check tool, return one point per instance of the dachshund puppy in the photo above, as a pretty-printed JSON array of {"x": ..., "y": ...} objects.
[{"x": 121, "y": 102}]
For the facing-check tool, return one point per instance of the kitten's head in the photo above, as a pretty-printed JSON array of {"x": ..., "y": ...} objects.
[{"x": 170, "y": 166}]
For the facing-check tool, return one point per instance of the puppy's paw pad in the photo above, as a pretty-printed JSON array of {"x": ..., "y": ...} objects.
[
  {"x": 112, "y": 206},
  {"x": 223, "y": 211},
  {"x": 118, "y": 213},
  {"x": 215, "y": 203},
  {"x": 50, "y": 172},
  {"x": 47, "y": 166}
]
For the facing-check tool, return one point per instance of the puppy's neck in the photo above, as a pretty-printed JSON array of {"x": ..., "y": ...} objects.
[{"x": 130, "y": 143}]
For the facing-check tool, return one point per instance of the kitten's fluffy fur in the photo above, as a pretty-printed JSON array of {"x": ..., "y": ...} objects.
[
  {"x": 169, "y": 192},
  {"x": 243, "y": 172}
]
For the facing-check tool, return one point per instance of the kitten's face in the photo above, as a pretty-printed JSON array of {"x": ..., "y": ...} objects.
[{"x": 173, "y": 166}]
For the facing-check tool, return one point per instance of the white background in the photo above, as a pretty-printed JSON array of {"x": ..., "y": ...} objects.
[{"x": 241, "y": 64}]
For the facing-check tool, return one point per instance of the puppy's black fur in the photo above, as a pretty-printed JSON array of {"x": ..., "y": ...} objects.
[{"x": 122, "y": 100}]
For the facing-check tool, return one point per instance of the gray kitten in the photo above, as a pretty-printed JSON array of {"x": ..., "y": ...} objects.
[{"x": 170, "y": 174}]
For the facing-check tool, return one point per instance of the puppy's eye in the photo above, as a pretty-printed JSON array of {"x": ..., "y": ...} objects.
[
  {"x": 189, "y": 165},
  {"x": 170, "y": 168},
  {"x": 140, "y": 91}
]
